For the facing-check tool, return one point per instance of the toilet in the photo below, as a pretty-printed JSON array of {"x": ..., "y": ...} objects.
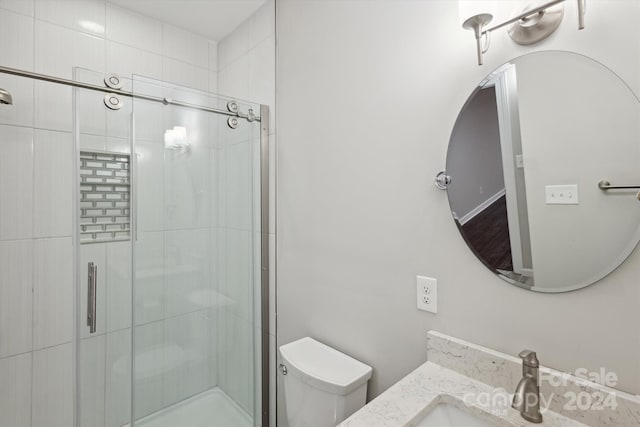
[{"x": 322, "y": 386}]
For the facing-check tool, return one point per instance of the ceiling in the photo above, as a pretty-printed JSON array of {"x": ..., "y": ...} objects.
[{"x": 213, "y": 19}]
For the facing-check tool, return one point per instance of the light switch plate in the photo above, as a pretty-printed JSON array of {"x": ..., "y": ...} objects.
[
  {"x": 519, "y": 161},
  {"x": 427, "y": 294},
  {"x": 561, "y": 194}
]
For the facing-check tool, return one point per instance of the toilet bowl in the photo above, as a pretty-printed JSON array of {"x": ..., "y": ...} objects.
[{"x": 322, "y": 386}]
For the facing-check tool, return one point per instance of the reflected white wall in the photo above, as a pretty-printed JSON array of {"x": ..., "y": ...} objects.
[
  {"x": 474, "y": 155},
  {"x": 589, "y": 132}
]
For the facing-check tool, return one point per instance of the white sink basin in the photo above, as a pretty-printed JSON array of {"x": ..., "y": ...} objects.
[{"x": 446, "y": 415}]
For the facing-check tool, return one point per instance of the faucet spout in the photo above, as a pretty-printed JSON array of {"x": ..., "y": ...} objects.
[{"x": 526, "y": 399}]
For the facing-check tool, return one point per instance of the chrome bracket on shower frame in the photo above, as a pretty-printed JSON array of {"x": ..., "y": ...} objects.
[
  {"x": 233, "y": 122},
  {"x": 111, "y": 100}
]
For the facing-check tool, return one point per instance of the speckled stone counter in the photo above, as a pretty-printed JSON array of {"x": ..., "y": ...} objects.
[{"x": 481, "y": 381}]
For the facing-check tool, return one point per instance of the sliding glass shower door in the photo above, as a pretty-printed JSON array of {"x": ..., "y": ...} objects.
[
  {"x": 169, "y": 272},
  {"x": 194, "y": 257},
  {"x": 103, "y": 255}
]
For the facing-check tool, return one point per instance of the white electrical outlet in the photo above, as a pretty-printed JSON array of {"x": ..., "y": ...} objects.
[{"x": 427, "y": 293}]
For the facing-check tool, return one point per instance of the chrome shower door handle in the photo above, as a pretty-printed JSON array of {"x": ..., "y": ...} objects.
[{"x": 91, "y": 300}]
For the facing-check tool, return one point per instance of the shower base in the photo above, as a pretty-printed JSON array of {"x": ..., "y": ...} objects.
[{"x": 212, "y": 408}]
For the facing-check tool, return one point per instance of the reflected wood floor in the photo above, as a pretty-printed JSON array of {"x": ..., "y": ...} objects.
[{"x": 488, "y": 235}]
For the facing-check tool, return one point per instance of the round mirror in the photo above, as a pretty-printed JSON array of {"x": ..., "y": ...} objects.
[{"x": 525, "y": 158}]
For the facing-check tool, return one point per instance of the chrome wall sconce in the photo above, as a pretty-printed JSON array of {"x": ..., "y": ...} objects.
[{"x": 529, "y": 27}]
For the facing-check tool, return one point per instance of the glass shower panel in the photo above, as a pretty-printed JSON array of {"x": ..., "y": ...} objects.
[
  {"x": 194, "y": 246},
  {"x": 102, "y": 240}
]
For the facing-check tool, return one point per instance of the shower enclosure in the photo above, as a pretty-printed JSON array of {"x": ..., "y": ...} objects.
[{"x": 169, "y": 218}]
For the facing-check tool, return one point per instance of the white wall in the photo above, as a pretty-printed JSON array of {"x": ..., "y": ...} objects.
[
  {"x": 36, "y": 254},
  {"x": 368, "y": 93}
]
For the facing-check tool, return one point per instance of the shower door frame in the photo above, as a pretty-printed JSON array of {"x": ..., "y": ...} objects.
[
  {"x": 264, "y": 229},
  {"x": 264, "y": 264}
]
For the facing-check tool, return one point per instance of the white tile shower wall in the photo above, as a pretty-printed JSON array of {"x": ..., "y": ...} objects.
[
  {"x": 186, "y": 372},
  {"x": 35, "y": 190},
  {"x": 52, "y": 393},
  {"x": 246, "y": 70},
  {"x": 133, "y": 29},
  {"x": 52, "y": 183},
  {"x": 118, "y": 378},
  {"x": 24, "y": 7},
  {"x": 16, "y": 35},
  {"x": 118, "y": 292},
  {"x": 125, "y": 60},
  {"x": 186, "y": 272},
  {"x": 16, "y": 297},
  {"x": 185, "y": 46},
  {"x": 236, "y": 358},
  {"x": 185, "y": 74},
  {"x": 15, "y": 393},
  {"x": 16, "y": 46},
  {"x": 16, "y": 182},
  {"x": 150, "y": 353},
  {"x": 246, "y": 60},
  {"x": 186, "y": 188},
  {"x": 53, "y": 294},
  {"x": 92, "y": 381},
  {"x": 150, "y": 174},
  {"x": 79, "y": 15},
  {"x": 149, "y": 277}
]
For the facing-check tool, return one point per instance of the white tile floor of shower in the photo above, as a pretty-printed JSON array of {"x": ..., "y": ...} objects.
[{"x": 212, "y": 408}]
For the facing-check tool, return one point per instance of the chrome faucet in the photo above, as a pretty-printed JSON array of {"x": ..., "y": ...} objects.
[{"x": 527, "y": 396}]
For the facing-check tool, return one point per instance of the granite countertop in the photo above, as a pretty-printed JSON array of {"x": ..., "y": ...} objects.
[
  {"x": 481, "y": 382},
  {"x": 410, "y": 399}
]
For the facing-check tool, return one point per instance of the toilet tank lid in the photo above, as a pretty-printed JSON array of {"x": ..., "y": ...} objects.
[{"x": 324, "y": 367}]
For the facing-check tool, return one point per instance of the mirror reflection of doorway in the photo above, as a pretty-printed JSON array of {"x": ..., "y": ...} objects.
[{"x": 493, "y": 200}]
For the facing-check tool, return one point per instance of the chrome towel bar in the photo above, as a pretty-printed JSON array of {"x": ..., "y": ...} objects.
[{"x": 606, "y": 185}]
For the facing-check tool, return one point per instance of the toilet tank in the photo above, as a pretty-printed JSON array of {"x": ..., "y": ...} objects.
[{"x": 322, "y": 386}]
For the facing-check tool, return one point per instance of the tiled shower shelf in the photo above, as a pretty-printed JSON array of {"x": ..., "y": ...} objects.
[{"x": 104, "y": 197}]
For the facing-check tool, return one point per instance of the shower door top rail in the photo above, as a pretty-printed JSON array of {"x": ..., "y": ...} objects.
[{"x": 166, "y": 101}]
